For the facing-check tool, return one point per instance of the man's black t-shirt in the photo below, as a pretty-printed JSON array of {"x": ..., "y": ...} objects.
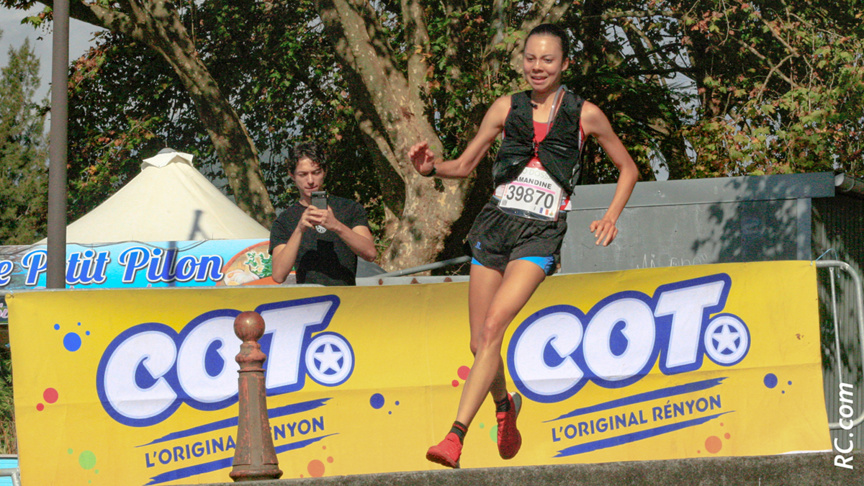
[{"x": 323, "y": 258}]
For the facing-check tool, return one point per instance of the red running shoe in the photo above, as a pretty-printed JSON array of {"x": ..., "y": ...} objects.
[
  {"x": 509, "y": 438},
  {"x": 447, "y": 452}
]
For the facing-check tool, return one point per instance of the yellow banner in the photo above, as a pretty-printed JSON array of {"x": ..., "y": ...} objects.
[{"x": 140, "y": 386}]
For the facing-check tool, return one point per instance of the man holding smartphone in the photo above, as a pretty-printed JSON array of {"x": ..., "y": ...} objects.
[{"x": 321, "y": 235}]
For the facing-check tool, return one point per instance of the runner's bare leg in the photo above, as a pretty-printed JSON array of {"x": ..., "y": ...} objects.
[{"x": 521, "y": 278}]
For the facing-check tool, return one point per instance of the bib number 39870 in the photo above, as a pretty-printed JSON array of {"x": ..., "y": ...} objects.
[{"x": 534, "y": 193}]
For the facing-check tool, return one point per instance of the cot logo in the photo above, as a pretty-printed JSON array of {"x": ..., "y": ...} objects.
[
  {"x": 557, "y": 350},
  {"x": 149, "y": 370}
]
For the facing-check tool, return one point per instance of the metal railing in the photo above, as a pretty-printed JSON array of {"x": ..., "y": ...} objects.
[
  {"x": 425, "y": 268},
  {"x": 9, "y": 469},
  {"x": 11, "y": 473},
  {"x": 831, "y": 265}
]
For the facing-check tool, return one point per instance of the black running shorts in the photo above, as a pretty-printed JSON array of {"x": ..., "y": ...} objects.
[{"x": 496, "y": 237}]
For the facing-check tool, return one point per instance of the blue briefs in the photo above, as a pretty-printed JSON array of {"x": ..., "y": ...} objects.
[{"x": 545, "y": 263}]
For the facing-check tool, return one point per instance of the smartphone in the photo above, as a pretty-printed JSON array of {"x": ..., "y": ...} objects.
[{"x": 319, "y": 199}]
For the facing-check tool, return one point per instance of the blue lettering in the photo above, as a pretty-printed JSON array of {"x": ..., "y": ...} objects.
[
  {"x": 186, "y": 268},
  {"x": 133, "y": 260},
  {"x": 73, "y": 269},
  {"x": 6, "y": 267},
  {"x": 279, "y": 431},
  {"x": 211, "y": 264},
  {"x": 715, "y": 402},
  {"x": 218, "y": 445},
  {"x": 36, "y": 263},
  {"x": 99, "y": 272},
  {"x": 87, "y": 268},
  {"x": 583, "y": 428},
  {"x": 601, "y": 425},
  {"x": 195, "y": 365},
  {"x": 161, "y": 268},
  {"x": 557, "y": 350}
]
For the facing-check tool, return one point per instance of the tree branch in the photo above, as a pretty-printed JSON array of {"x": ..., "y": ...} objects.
[
  {"x": 640, "y": 14},
  {"x": 767, "y": 61},
  {"x": 417, "y": 36}
]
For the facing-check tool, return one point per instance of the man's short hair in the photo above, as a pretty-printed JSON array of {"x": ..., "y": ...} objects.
[{"x": 309, "y": 150}]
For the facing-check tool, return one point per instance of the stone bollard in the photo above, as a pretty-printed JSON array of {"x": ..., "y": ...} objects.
[{"x": 255, "y": 456}]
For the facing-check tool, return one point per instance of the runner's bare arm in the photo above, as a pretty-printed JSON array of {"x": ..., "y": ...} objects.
[
  {"x": 595, "y": 123},
  {"x": 492, "y": 125}
]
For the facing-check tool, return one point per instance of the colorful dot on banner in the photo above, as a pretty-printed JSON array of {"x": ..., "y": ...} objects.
[
  {"x": 72, "y": 340},
  {"x": 50, "y": 395},
  {"x": 315, "y": 468},
  {"x": 462, "y": 373},
  {"x": 390, "y": 412},
  {"x": 713, "y": 444},
  {"x": 727, "y": 435},
  {"x": 376, "y": 401},
  {"x": 770, "y": 380},
  {"x": 87, "y": 460}
]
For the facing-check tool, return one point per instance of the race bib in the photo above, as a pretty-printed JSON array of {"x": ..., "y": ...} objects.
[{"x": 534, "y": 194}]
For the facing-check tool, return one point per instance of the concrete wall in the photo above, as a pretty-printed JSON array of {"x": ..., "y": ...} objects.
[{"x": 673, "y": 223}]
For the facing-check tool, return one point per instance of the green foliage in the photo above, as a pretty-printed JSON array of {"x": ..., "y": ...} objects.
[
  {"x": 23, "y": 165},
  {"x": 708, "y": 88},
  {"x": 461, "y": 84},
  {"x": 786, "y": 96},
  {"x": 122, "y": 101},
  {"x": 126, "y": 103}
]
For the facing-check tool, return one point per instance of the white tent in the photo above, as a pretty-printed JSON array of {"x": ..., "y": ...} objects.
[{"x": 168, "y": 201}]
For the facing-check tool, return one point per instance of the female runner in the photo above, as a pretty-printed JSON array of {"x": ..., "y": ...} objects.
[{"x": 516, "y": 238}]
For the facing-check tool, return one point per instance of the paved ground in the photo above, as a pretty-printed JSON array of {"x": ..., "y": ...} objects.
[{"x": 786, "y": 470}]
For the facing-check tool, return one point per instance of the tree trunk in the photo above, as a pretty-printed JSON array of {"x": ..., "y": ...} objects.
[
  {"x": 393, "y": 116},
  {"x": 390, "y": 112}
]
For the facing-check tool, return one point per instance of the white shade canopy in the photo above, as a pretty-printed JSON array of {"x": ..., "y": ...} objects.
[{"x": 168, "y": 201}]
